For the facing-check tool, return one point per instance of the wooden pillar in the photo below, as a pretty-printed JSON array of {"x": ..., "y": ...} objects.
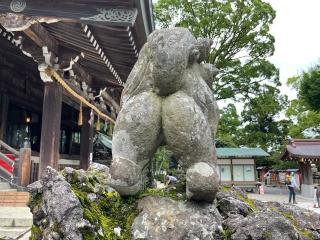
[
  {"x": 307, "y": 175},
  {"x": 307, "y": 180},
  {"x": 86, "y": 140},
  {"x": 4, "y": 104},
  {"x": 24, "y": 167},
  {"x": 50, "y": 129}
]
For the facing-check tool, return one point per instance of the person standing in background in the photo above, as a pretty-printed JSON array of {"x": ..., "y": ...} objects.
[
  {"x": 316, "y": 196},
  {"x": 292, "y": 185}
]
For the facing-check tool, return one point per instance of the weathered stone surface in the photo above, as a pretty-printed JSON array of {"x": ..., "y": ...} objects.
[
  {"x": 264, "y": 225},
  {"x": 164, "y": 218},
  {"x": 252, "y": 219},
  {"x": 185, "y": 125},
  {"x": 35, "y": 187},
  {"x": 167, "y": 100},
  {"x": 306, "y": 222},
  {"x": 229, "y": 202},
  {"x": 99, "y": 171},
  {"x": 59, "y": 206},
  {"x": 230, "y": 205},
  {"x": 202, "y": 182},
  {"x": 135, "y": 139}
]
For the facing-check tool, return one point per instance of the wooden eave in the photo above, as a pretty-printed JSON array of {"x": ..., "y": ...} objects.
[{"x": 107, "y": 49}]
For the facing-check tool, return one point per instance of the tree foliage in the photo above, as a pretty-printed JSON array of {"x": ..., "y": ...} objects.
[
  {"x": 259, "y": 124},
  {"x": 240, "y": 32},
  {"x": 303, "y": 111},
  {"x": 260, "y": 118},
  {"x": 228, "y": 129},
  {"x": 310, "y": 88}
]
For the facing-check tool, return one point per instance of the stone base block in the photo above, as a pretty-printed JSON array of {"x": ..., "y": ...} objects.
[{"x": 307, "y": 190}]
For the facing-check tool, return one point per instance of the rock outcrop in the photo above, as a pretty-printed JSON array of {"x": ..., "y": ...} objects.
[
  {"x": 60, "y": 211},
  {"x": 77, "y": 204},
  {"x": 163, "y": 218}
]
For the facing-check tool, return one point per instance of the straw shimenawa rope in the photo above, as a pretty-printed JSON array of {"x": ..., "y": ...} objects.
[{"x": 52, "y": 73}]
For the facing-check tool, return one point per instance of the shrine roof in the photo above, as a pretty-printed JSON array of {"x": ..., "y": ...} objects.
[
  {"x": 241, "y": 152},
  {"x": 302, "y": 148}
]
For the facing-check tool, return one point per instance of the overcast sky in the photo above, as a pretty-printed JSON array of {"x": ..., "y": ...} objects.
[{"x": 297, "y": 34}]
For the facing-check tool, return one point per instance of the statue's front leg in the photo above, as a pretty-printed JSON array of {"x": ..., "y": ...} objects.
[
  {"x": 202, "y": 182},
  {"x": 188, "y": 135},
  {"x": 135, "y": 139}
]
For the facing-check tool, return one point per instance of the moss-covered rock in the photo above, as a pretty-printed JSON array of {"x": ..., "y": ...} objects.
[
  {"x": 105, "y": 211},
  {"x": 80, "y": 203}
]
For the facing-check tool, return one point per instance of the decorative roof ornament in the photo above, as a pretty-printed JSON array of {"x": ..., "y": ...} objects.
[
  {"x": 18, "y": 5},
  {"x": 114, "y": 15},
  {"x": 13, "y": 22}
]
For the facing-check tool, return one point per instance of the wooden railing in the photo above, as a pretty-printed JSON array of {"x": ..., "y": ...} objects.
[
  {"x": 25, "y": 169},
  {"x": 18, "y": 172},
  {"x": 34, "y": 167}
]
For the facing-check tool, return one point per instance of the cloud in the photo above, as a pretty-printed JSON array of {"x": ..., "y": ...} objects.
[{"x": 297, "y": 35}]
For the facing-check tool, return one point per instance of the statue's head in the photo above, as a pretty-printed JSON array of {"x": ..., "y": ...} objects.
[{"x": 171, "y": 51}]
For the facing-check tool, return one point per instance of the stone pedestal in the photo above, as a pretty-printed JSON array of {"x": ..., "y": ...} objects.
[{"x": 307, "y": 190}]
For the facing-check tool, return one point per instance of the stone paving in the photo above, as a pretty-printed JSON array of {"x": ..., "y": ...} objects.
[{"x": 276, "y": 194}]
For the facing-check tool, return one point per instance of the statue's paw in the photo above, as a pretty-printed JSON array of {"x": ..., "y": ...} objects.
[
  {"x": 202, "y": 182},
  {"x": 125, "y": 177}
]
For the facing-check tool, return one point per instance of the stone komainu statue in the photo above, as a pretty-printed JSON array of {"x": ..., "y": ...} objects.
[{"x": 167, "y": 100}]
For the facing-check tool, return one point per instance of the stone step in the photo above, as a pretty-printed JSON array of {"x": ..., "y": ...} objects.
[
  {"x": 15, "y": 217},
  {"x": 13, "y": 232},
  {"x": 4, "y": 185},
  {"x": 8, "y": 190},
  {"x": 18, "y": 199}
]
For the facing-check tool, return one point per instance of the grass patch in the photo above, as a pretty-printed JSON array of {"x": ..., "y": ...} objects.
[
  {"x": 226, "y": 235},
  {"x": 224, "y": 188},
  {"x": 174, "y": 194},
  {"x": 36, "y": 233},
  {"x": 267, "y": 235}
]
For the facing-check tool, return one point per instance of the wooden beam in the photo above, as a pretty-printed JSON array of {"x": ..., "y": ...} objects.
[
  {"x": 86, "y": 140},
  {"x": 116, "y": 13},
  {"x": 111, "y": 101},
  {"x": 50, "y": 129},
  {"x": 41, "y": 37}
]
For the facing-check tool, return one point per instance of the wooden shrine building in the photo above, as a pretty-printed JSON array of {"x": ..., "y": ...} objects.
[
  {"x": 306, "y": 152},
  {"x": 237, "y": 166},
  {"x": 63, "y": 65}
]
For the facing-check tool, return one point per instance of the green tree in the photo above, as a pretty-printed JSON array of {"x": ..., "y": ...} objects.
[
  {"x": 260, "y": 119},
  {"x": 228, "y": 129},
  {"x": 309, "y": 89},
  {"x": 241, "y": 40},
  {"x": 302, "y": 111}
]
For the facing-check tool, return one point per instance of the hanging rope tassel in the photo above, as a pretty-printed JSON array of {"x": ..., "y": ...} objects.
[
  {"x": 52, "y": 73},
  {"x": 98, "y": 124},
  {"x": 80, "y": 118}
]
